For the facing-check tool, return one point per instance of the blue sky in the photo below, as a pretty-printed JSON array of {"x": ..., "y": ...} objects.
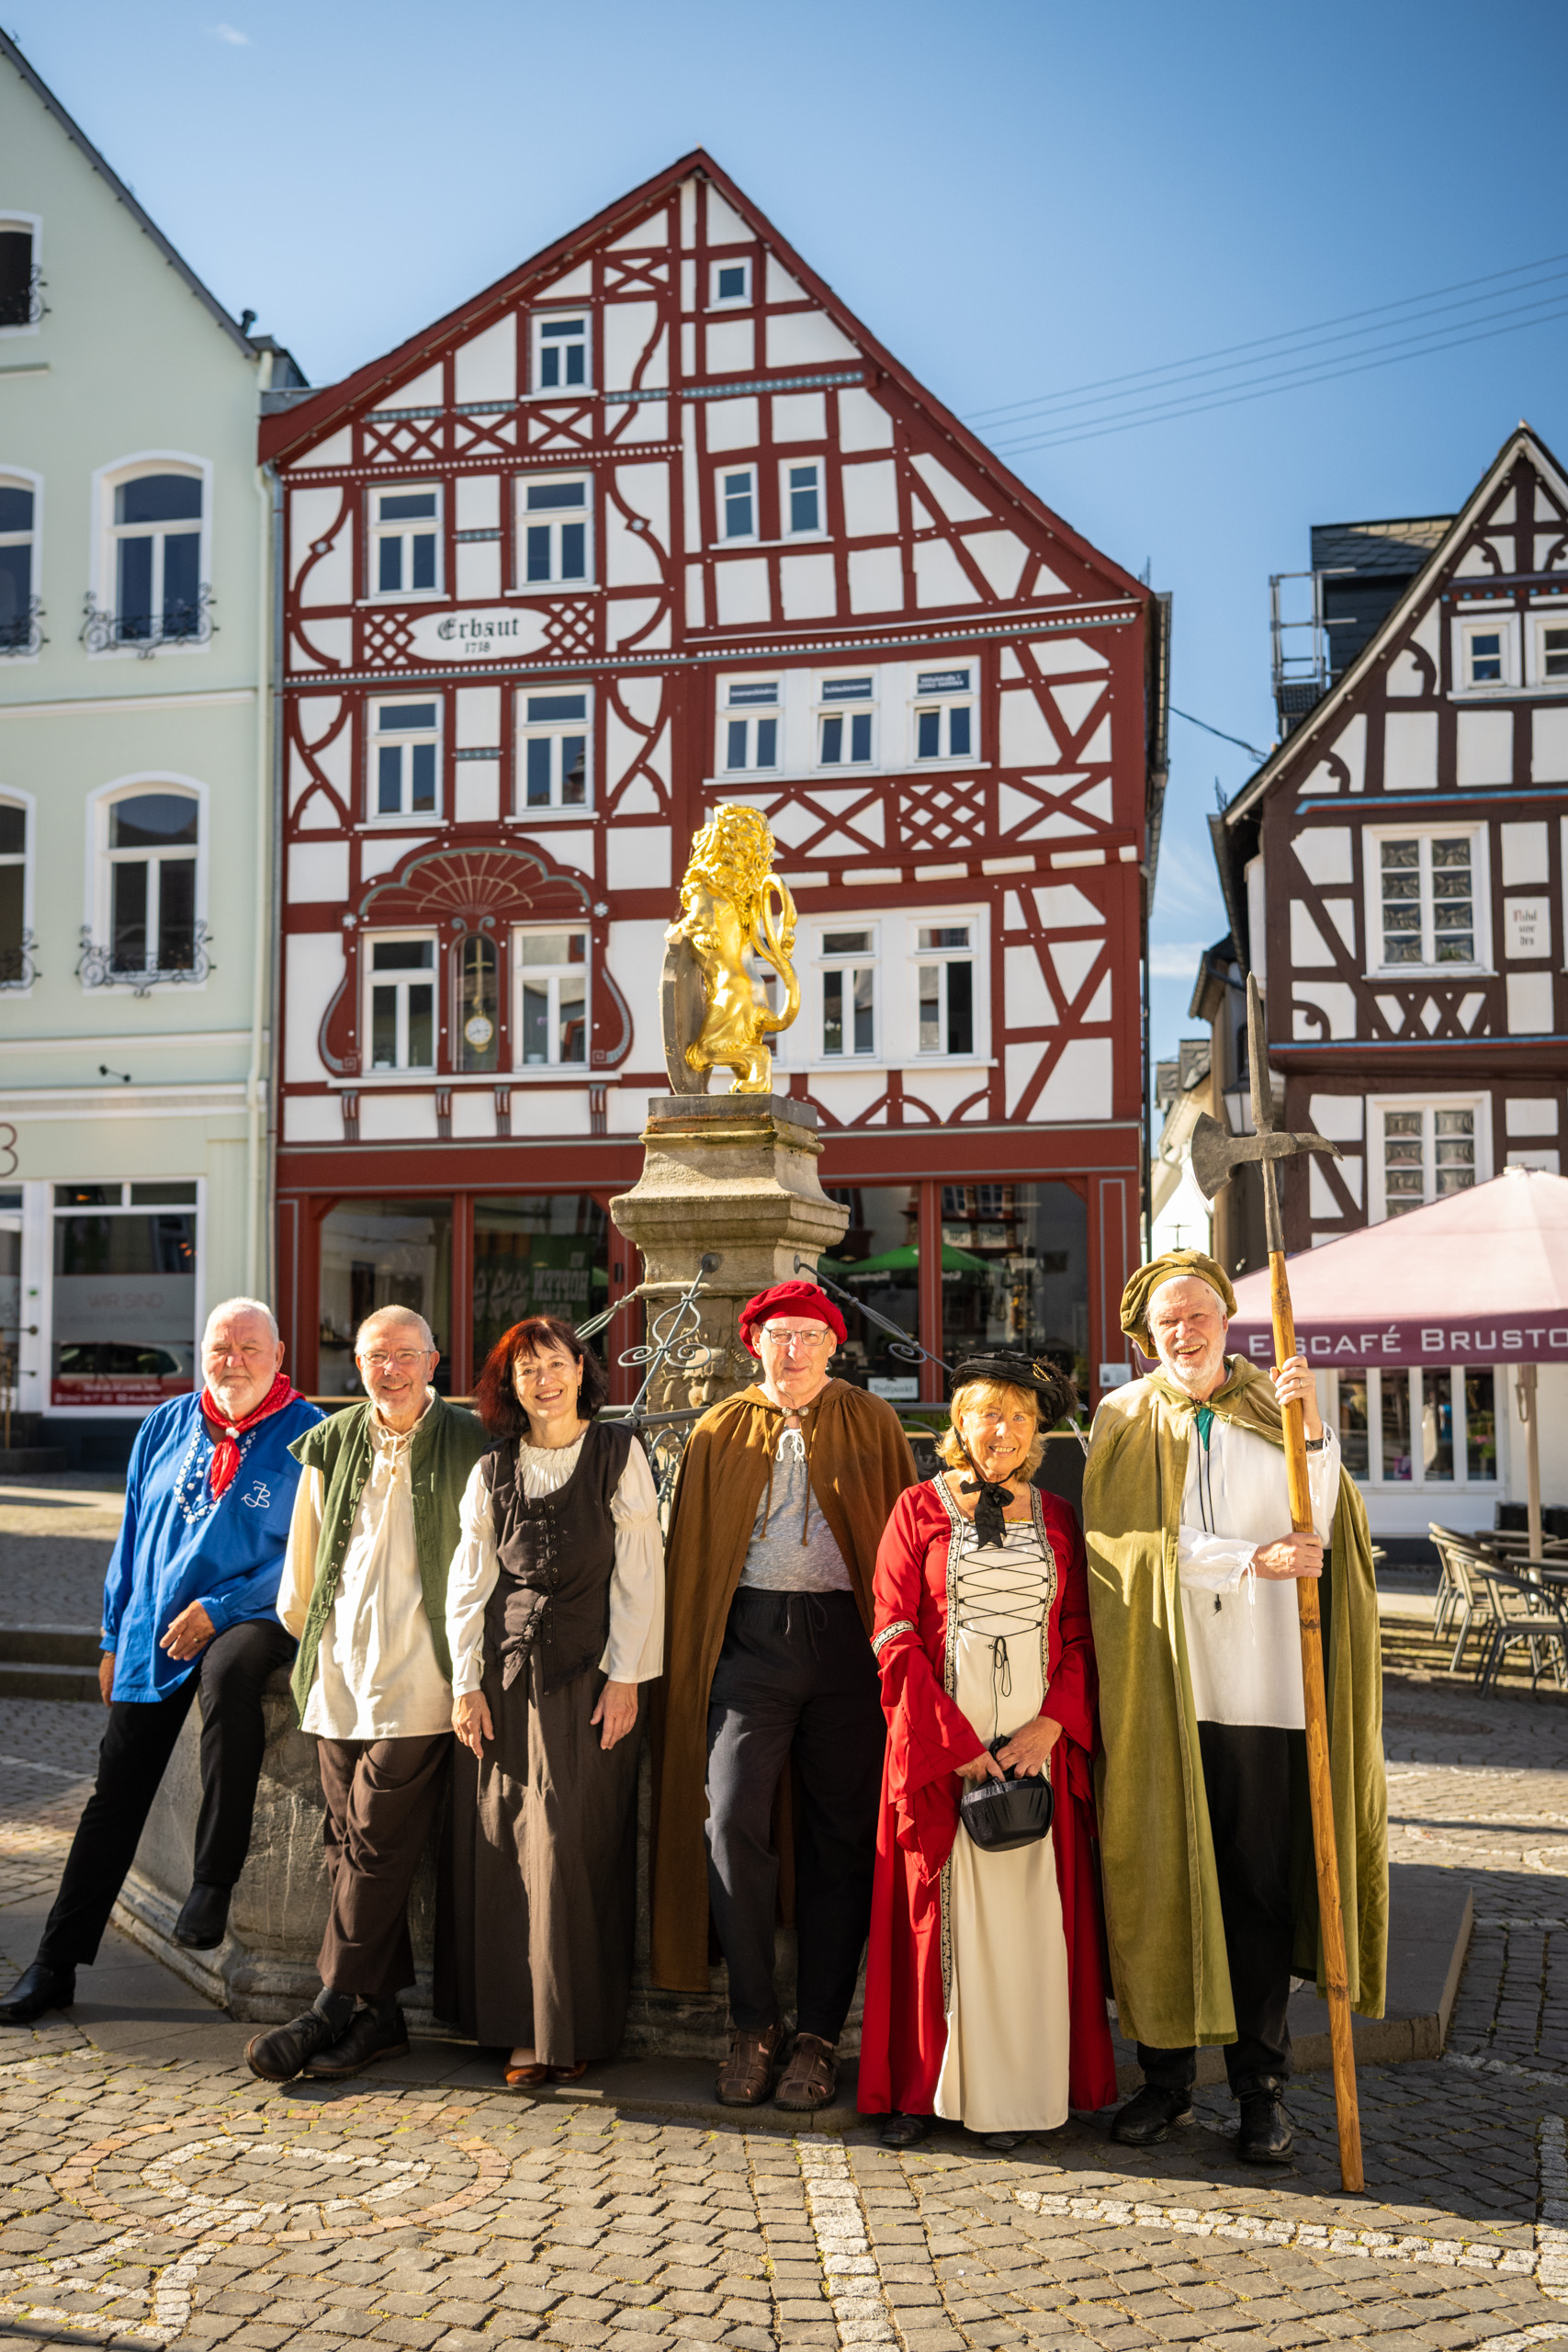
[{"x": 1017, "y": 199}]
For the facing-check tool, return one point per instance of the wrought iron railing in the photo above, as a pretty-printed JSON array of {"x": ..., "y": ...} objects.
[
  {"x": 145, "y": 633},
  {"x": 20, "y": 633},
  {"x": 17, "y": 969},
  {"x": 97, "y": 966}
]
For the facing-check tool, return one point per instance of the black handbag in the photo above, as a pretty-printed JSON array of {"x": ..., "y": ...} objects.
[{"x": 1003, "y": 1815}]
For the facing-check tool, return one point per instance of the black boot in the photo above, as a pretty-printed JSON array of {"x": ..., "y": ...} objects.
[
  {"x": 204, "y": 1917},
  {"x": 281, "y": 2054},
  {"x": 41, "y": 1987},
  {"x": 1149, "y": 2115},
  {"x": 1266, "y": 2137},
  {"x": 377, "y": 2031}
]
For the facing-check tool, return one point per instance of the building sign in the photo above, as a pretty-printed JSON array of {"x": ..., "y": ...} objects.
[
  {"x": 488, "y": 633},
  {"x": 1335, "y": 1347},
  {"x": 1527, "y": 927}
]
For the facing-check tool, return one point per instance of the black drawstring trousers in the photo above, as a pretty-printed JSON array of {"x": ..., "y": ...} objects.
[
  {"x": 232, "y": 1673},
  {"x": 796, "y": 1681}
]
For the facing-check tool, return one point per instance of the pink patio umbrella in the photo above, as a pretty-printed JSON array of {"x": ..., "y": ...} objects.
[{"x": 1481, "y": 1274}]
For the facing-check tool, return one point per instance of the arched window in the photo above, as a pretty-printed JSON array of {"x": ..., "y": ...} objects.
[
  {"x": 147, "y": 925},
  {"x": 154, "y": 561},
  {"x": 16, "y": 893},
  {"x": 19, "y": 563}
]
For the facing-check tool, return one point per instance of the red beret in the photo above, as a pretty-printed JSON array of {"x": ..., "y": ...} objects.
[{"x": 790, "y": 1298}]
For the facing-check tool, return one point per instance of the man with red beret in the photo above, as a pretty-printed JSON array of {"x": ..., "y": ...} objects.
[{"x": 784, "y": 1493}]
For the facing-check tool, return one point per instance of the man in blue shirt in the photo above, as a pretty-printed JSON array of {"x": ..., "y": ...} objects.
[{"x": 190, "y": 1597}]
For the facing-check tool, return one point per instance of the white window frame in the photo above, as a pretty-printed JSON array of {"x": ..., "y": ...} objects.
[
  {"x": 99, "y": 901},
  {"x": 403, "y": 739},
  {"x": 25, "y": 801},
  {"x": 405, "y": 528},
  {"x": 1479, "y": 1104},
  {"x": 825, "y": 961},
  {"x": 1538, "y": 619},
  {"x": 824, "y": 707},
  {"x": 23, "y": 478},
  {"x": 403, "y": 982},
  {"x": 40, "y": 1214},
  {"x": 523, "y": 975},
  {"x": 722, "y": 476},
  {"x": 1418, "y": 1483},
  {"x": 750, "y": 716},
  {"x": 1501, "y": 621},
  {"x": 944, "y": 700},
  {"x": 553, "y": 731},
  {"x": 918, "y": 958},
  {"x": 817, "y": 530},
  {"x": 552, "y": 519},
  {"x": 539, "y": 341},
  {"x": 33, "y": 222},
  {"x": 742, "y": 301},
  {"x": 1372, "y": 838},
  {"x": 103, "y": 570}
]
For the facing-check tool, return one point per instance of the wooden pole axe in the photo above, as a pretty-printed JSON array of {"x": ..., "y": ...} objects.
[{"x": 1216, "y": 1155}]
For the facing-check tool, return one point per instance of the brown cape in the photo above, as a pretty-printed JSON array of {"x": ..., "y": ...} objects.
[{"x": 858, "y": 1463}]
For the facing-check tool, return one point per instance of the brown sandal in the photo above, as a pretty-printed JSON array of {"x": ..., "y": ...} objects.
[
  {"x": 812, "y": 2075},
  {"x": 748, "y": 2074}
]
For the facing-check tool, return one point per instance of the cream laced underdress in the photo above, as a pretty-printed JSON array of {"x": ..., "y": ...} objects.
[{"x": 1004, "y": 1950}]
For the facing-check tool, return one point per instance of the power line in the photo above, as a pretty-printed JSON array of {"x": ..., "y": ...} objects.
[
  {"x": 1171, "y": 412},
  {"x": 1220, "y": 731},
  {"x": 1015, "y": 409}
]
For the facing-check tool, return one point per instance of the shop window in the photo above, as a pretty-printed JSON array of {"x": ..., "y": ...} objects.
[
  {"x": 553, "y": 529},
  {"x": 844, "y": 734},
  {"x": 749, "y": 736},
  {"x": 542, "y": 1254},
  {"x": 405, "y": 533},
  {"x": 123, "y": 1303},
  {"x": 380, "y": 1253},
  {"x": 878, "y": 1262},
  {"x": 18, "y": 565},
  {"x": 401, "y": 990},
  {"x": 1015, "y": 1272},
  {"x": 946, "y": 988},
  {"x": 157, "y": 561},
  {"x": 848, "y": 965},
  {"x": 407, "y": 736},
  {"x": 800, "y": 498},
  {"x": 554, "y": 750},
  {"x": 560, "y": 351},
  {"x": 478, "y": 967},
  {"x": 150, "y": 858},
  {"x": 16, "y": 969},
  {"x": 1435, "y": 1428},
  {"x": 945, "y": 715},
  {"x": 551, "y": 1020}
]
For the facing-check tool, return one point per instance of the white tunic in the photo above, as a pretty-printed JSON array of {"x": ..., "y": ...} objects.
[
  {"x": 635, "y": 1650},
  {"x": 377, "y": 1676},
  {"x": 1244, "y": 1649},
  {"x": 1005, "y": 2067}
]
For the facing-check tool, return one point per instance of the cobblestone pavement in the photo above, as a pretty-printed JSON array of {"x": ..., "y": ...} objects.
[{"x": 183, "y": 2203}]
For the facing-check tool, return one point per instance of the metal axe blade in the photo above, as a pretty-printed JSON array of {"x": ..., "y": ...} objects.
[{"x": 1216, "y": 1154}]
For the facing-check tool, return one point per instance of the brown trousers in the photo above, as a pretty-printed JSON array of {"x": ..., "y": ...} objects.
[{"x": 383, "y": 1799}]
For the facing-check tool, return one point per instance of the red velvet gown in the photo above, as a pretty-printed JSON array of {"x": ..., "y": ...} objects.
[{"x": 904, "y": 2036}]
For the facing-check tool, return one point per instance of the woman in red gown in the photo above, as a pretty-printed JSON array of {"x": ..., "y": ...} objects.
[{"x": 986, "y": 1991}]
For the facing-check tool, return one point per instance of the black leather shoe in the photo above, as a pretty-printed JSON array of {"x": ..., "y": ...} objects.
[
  {"x": 284, "y": 2052},
  {"x": 904, "y": 2131},
  {"x": 1149, "y": 2115},
  {"x": 372, "y": 2035},
  {"x": 37, "y": 1989},
  {"x": 204, "y": 1917},
  {"x": 1266, "y": 2137}
]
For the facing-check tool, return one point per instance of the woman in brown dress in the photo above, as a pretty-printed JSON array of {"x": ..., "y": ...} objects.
[{"x": 555, "y": 1613}]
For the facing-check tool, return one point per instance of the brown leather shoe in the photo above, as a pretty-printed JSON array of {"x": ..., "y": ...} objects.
[
  {"x": 748, "y": 2074},
  {"x": 812, "y": 2075}
]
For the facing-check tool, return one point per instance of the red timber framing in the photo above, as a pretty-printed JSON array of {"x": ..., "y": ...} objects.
[{"x": 652, "y": 525}]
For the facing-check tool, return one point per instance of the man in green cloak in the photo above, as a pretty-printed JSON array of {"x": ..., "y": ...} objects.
[{"x": 1211, "y": 1896}]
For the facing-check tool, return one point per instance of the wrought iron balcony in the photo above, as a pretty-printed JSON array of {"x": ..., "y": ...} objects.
[
  {"x": 24, "y": 306},
  {"x": 17, "y": 969},
  {"x": 20, "y": 632},
  {"x": 186, "y": 623},
  {"x": 98, "y": 966}
]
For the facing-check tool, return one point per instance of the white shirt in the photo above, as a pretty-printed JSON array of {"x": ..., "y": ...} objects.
[
  {"x": 635, "y": 1650},
  {"x": 1243, "y": 1631},
  {"x": 377, "y": 1676}
]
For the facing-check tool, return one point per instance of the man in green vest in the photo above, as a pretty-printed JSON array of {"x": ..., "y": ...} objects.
[{"x": 375, "y": 1527}]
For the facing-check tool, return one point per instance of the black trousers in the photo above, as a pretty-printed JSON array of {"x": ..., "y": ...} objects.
[
  {"x": 795, "y": 1680},
  {"x": 1248, "y": 1771},
  {"x": 137, "y": 1745}
]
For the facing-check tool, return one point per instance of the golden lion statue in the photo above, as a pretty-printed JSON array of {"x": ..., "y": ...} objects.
[{"x": 734, "y": 908}]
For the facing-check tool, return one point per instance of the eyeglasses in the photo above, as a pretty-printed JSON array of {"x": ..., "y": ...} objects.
[
  {"x": 791, "y": 1340},
  {"x": 410, "y": 1360}
]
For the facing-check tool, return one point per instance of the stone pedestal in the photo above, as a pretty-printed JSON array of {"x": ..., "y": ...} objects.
[{"x": 733, "y": 1176}]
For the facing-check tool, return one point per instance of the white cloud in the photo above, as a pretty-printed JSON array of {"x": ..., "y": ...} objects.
[
  {"x": 230, "y": 33},
  {"x": 1175, "y": 959}
]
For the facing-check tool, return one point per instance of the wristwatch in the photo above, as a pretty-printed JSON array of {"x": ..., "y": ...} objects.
[{"x": 1316, "y": 1445}]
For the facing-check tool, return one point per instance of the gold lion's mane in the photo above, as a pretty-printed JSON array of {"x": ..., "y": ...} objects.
[{"x": 733, "y": 853}]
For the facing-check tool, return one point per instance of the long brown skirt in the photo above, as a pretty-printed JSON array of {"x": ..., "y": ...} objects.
[{"x": 534, "y": 1937}]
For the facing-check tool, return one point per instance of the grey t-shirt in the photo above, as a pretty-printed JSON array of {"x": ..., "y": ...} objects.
[{"x": 779, "y": 1561}]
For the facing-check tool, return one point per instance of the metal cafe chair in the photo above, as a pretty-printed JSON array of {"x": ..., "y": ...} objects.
[
  {"x": 1467, "y": 1600},
  {"x": 1524, "y": 1612}
]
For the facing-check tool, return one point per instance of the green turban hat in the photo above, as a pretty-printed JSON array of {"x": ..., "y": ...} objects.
[{"x": 1175, "y": 1266}]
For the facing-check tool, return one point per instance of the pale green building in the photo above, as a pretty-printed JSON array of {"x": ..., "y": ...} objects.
[{"x": 136, "y": 853}]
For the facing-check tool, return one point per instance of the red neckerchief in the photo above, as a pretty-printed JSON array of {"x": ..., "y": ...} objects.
[{"x": 225, "y": 1448}]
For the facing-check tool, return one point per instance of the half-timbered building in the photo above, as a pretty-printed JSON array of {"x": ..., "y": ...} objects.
[
  {"x": 653, "y": 524},
  {"x": 1394, "y": 875}
]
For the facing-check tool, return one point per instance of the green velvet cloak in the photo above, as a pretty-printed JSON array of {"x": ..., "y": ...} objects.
[{"x": 1162, "y": 1898}]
